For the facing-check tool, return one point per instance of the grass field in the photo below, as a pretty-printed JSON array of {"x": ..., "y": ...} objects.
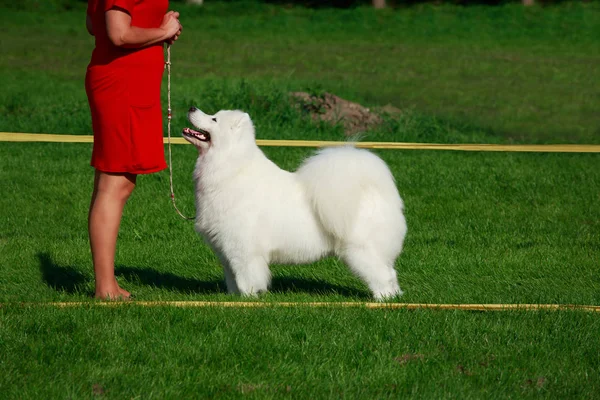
[
  {"x": 483, "y": 227},
  {"x": 460, "y": 73}
]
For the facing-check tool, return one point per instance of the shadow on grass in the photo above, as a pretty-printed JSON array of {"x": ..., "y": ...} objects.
[
  {"x": 169, "y": 281},
  {"x": 61, "y": 278},
  {"x": 314, "y": 286}
]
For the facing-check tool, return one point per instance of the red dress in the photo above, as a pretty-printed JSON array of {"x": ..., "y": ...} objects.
[{"x": 123, "y": 89}]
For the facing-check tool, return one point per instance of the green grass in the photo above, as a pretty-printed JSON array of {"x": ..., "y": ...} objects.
[
  {"x": 506, "y": 73},
  {"x": 483, "y": 227},
  {"x": 135, "y": 352}
]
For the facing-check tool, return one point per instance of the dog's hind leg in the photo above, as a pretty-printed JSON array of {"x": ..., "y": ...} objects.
[
  {"x": 379, "y": 275},
  {"x": 251, "y": 277}
]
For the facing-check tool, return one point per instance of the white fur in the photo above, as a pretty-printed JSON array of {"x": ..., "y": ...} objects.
[{"x": 342, "y": 201}]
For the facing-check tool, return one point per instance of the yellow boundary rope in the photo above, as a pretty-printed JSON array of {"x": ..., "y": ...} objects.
[
  {"x": 539, "y": 148},
  {"x": 258, "y": 304}
]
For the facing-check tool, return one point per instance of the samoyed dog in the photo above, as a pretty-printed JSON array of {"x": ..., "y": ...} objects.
[{"x": 342, "y": 201}]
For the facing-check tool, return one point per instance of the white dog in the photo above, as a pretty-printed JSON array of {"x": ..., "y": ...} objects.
[{"x": 342, "y": 201}]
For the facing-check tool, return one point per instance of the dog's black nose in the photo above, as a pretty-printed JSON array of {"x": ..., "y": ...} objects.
[{"x": 192, "y": 109}]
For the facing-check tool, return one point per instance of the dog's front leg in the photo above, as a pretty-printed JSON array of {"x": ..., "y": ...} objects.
[
  {"x": 252, "y": 275},
  {"x": 232, "y": 287}
]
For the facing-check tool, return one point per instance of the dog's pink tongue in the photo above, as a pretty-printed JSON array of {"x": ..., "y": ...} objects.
[{"x": 196, "y": 134}]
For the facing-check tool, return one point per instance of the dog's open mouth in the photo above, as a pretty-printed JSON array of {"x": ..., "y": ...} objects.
[{"x": 199, "y": 134}]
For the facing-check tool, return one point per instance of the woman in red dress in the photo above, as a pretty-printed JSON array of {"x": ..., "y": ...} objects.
[{"x": 123, "y": 87}]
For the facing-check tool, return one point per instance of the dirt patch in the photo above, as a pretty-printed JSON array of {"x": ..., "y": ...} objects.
[
  {"x": 463, "y": 370},
  {"x": 539, "y": 383},
  {"x": 333, "y": 109},
  {"x": 98, "y": 390},
  {"x": 405, "y": 358}
]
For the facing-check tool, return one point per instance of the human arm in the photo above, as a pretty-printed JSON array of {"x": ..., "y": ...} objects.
[
  {"x": 122, "y": 34},
  {"x": 88, "y": 25}
]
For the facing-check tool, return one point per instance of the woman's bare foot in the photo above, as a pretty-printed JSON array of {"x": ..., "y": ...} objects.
[
  {"x": 113, "y": 292},
  {"x": 125, "y": 293}
]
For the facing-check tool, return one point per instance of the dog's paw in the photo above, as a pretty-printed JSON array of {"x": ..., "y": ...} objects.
[
  {"x": 253, "y": 293},
  {"x": 388, "y": 296}
]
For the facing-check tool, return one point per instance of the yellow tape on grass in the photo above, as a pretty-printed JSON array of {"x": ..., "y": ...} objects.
[
  {"x": 261, "y": 304},
  {"x": 538, "y": 148}
]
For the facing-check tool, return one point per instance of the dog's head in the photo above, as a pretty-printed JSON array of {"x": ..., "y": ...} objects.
[{"x": 224, "y": 132}]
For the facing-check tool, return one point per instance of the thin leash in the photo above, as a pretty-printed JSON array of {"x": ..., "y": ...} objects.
[{"x": 169, "y": 116}]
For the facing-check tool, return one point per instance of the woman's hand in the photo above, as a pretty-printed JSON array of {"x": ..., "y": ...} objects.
[{"x": 171, "y": 26}]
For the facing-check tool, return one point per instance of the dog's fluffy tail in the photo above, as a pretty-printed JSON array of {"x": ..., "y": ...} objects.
[{"x": 342, "y": 181}]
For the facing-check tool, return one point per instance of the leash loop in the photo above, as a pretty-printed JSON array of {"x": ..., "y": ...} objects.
[{"x": 169, "y": 117}]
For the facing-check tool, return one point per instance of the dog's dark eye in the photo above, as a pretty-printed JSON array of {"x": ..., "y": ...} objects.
[{"x": 214, "y": 119}]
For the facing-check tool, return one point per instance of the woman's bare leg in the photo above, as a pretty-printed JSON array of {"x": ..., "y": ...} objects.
[{"x": 111, "y": 192}]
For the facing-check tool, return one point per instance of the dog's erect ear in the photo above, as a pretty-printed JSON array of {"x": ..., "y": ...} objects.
[{"x": 244, "y": 119}]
